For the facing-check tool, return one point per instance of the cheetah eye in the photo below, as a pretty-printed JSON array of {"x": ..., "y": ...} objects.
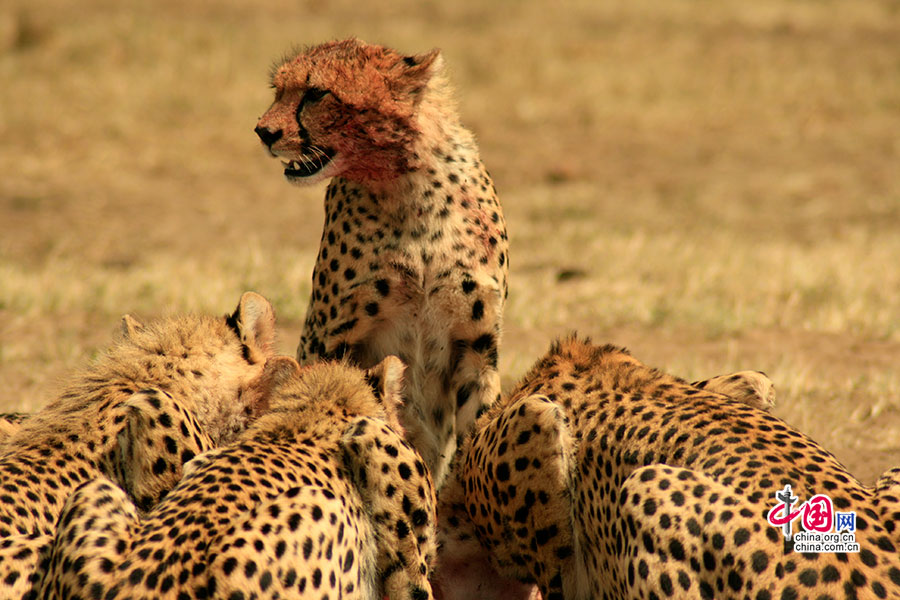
[{"x": 313, "y": 94}]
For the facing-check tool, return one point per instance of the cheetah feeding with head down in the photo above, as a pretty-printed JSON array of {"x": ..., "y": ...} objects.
[
  {"x": 162, "y": 394},
  {"x": 602, "y": 478},
  {"x": 320, "y": 498},
  {"x": 413, "y": 259}
]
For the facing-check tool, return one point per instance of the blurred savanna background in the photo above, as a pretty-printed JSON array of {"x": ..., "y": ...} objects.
[{"x": 713, "y": 184}]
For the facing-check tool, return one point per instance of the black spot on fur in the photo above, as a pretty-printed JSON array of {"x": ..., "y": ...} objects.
[{"x": 477, "y": 310}]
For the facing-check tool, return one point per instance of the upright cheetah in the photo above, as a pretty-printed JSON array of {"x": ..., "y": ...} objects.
[
  {"x": 319, "y": 498},
  {"x": 413, "y": 260},
  {"x": 159, "y": 396},
  {"x": 600, "y": 477}
]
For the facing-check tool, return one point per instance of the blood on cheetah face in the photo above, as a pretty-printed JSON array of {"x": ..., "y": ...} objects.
[{"x": 332, "y": 103}]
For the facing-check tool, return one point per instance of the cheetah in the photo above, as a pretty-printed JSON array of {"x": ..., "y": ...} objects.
[
  {"x": 600, "y": 477},
  {"x": 321, "y": 497},
  {"x": 413, "y": 259},
  {"x": 160, "y": 395}
]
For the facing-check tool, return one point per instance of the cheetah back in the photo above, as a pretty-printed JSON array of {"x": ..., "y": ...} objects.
[{"x": 621, "y": 416}]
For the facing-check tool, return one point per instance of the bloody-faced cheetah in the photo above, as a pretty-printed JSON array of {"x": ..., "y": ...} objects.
[
  {"x": 320, "y": 498},
  {"x": 159, "y": 396},
  {"x": 565, "y": 484},
  {"x": 413, "y": 260}
]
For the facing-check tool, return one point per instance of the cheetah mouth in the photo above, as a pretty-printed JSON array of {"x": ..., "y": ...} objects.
[{"x": 308, "y": 166}]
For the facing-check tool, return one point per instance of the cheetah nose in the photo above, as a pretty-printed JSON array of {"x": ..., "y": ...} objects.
[{"x": 268, "y": 137}]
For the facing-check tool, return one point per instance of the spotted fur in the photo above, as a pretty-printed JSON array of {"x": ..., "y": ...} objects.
[
  {"x": 160, "y": 395},
  {"x": 413, "y": 260},
  {"x": 320, "y": 498},
  {"x": 600, "y": 477}
]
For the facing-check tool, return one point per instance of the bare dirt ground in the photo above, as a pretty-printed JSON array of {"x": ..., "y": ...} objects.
[{"x": 713, "y": 185}]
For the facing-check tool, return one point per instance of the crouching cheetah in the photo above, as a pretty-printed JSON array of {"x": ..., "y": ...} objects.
[
  {"x": 320, "y": 498},
  {"x": 413, "y": 259},
  {"x": 600, "y": 477},
  {"x": 162, "y": 394}
]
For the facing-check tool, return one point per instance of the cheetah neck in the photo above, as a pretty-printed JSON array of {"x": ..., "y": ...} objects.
[{"x": 442, "y": 147}]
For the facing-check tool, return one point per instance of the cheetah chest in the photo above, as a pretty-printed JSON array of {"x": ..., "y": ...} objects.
[{"x": 411, "y": 297}]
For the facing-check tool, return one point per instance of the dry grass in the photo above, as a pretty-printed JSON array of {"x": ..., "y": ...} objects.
[{"x": 713, "y": 184}]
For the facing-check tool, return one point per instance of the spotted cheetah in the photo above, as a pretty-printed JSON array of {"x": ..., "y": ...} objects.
[
  {"x": 320, "y": 498},
  {"x": 413, "y": 260},
  {"x": 600, "y": 477},
  {"x": 161, "y": 394}
]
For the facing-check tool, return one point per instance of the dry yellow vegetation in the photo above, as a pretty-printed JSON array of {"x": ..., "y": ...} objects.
[{"x": 715, "y": 185}]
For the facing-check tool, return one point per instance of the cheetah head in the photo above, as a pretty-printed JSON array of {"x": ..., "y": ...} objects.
[
  {"x": 208, "y": 363},
  {"x": 347, "y": 109},
  {"x": 316, "y": 393}
]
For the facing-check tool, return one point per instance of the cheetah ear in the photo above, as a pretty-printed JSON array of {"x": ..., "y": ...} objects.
[
  {"x": 418, "y": 70},
  {"x": 277, "y": 372},
  {"x": 129, "y": 327},
  {"x": 386, "y": 379},
  {"x": 254, "y": 322}
]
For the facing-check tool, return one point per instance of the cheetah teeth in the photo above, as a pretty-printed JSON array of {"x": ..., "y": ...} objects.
[{"x": 290, "y": 164}]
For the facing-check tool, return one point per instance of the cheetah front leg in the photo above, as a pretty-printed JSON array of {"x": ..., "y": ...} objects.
[
  {"x": 474, "y": 378},
  {"x": 96, "y": 523},
  {"x": 518, "y": 479},
  {"x": 464, "y": 568},
  {"x": 399, "y": 496}
]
